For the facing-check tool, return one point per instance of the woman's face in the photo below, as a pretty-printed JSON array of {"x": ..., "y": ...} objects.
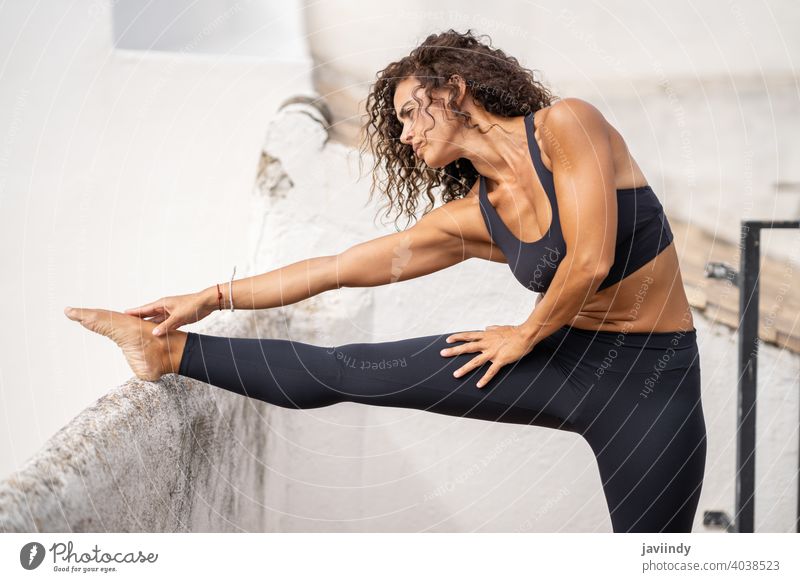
[{"x": 432, "y": 136}]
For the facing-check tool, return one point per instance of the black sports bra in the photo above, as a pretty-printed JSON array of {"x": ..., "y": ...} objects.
[{"x": 642, "y": 231}]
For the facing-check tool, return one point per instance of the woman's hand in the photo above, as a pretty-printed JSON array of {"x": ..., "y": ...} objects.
[
  {"x": 502, "y": 344},
  {"x": 174, "y": 311}
]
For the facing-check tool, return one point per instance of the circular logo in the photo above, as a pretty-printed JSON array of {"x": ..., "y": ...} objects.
[{"x": 31, "y": 555}]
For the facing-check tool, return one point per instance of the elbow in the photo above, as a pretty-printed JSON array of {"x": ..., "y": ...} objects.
[
  {"x": 345, "y": 270},
  {"x": 591, "y": 270}
]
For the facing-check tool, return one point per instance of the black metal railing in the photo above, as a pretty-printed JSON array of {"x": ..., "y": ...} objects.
[{"x": 748, "y": 281}]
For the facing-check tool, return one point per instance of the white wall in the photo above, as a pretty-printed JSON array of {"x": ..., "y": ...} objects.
[
  {"x": 588, "y": 40},
  {"x": 124, "y": 176},
  {"x": 230, "y": 27}
]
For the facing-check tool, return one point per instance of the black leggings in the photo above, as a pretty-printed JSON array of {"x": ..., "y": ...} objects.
[{"x": 634, "y": 397}]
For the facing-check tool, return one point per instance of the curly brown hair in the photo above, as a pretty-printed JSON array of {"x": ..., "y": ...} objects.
[{"x": 495, "y": 80}]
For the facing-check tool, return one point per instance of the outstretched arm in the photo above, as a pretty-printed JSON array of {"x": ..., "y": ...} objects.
[{"x": 432, "y": 244}]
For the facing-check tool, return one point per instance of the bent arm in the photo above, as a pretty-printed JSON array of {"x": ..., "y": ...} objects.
[
  {"x": 583, "y": 173},
  {"x": 571, "y": 288},
  {"x": 424, "y": 248}
]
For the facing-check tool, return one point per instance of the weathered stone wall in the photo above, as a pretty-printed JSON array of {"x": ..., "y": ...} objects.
[{"x": 147, "y": 456}]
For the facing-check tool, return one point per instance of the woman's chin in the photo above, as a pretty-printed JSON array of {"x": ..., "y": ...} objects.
[{"x": 430, "y": 162}]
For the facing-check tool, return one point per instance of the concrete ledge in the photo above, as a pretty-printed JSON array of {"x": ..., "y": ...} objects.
[{"x": 155, "y": 457}]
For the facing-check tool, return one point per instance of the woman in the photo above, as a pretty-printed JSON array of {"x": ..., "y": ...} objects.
[{"x": 547, "y": 186}]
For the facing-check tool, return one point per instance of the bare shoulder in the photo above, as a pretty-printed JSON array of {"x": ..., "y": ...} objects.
[
  {"x": 565, "y": 125},
  {"x": 570, "y": 117},
  {"x": 566, "y": 113}
]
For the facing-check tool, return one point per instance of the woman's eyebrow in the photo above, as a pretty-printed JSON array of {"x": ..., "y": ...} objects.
[{"x": 402, "y": 109}]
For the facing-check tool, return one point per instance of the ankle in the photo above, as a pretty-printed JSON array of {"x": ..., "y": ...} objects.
[{"x": 172, "y": 345}]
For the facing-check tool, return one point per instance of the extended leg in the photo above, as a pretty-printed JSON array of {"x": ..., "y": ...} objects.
[{"x": 408, "y": 373}]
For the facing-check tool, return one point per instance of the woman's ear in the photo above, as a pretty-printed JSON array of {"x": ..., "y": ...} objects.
[{"x": 458, "y": 81}]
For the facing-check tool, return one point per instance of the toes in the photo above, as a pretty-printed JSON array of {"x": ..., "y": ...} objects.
[
  {"x": 81, "y": 314},
  {"x": 90, "y": 319}
]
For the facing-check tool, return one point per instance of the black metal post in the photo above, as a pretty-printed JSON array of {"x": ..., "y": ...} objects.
[
  {"x": 748, "y": 277},
  {"x": 748, "y": 357}
]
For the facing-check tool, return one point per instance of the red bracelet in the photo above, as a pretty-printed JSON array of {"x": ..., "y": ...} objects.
[{"x": 219, "y": 297}]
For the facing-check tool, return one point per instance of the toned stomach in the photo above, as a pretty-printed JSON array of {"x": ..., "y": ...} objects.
[{"x": 651, "y": 299}]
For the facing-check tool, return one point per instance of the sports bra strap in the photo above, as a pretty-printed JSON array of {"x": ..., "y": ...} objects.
[{"x": 545, "y": 175}]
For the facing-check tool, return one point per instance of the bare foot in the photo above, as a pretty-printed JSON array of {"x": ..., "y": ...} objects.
[{"x": 147, "y": 354}]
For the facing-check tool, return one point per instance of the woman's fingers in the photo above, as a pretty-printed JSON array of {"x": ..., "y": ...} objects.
[
  {"x": 163, "y": 328},
  {"x": 490, "y": 373},
  {"x": 467, "y": 348},
  {"x": 172, "y": 323},
  {"x": 146, "y": 310},
  {"x": 464, "y": 336},
  {"x": 475, "y": 362}
]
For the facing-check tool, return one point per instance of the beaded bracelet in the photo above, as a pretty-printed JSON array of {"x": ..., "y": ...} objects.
[
  {"x": 219, "y": 297},
  {"x": 230, "y": 292}
]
